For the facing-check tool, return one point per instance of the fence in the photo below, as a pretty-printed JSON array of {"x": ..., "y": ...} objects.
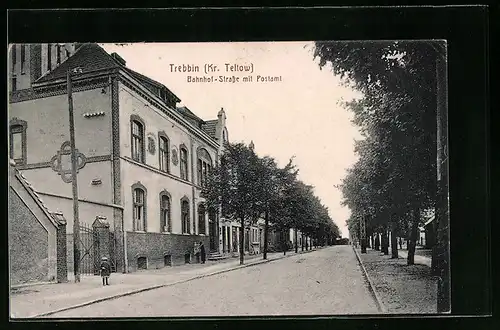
[{"x": 95, "y": 242}]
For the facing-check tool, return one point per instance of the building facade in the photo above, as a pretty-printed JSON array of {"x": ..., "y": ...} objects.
[{"x": 142, "y": 159}]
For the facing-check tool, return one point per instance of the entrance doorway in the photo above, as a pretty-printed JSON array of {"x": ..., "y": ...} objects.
[
  {"x": 224, "y": 241},
  {"x": 212, "y": 230}
]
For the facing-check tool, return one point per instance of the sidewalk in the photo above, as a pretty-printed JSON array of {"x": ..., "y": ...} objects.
[
  {"x": 400, "y": 288},
  {"x": 419, "y": 259},
  {"x": 46, "y": 299}
]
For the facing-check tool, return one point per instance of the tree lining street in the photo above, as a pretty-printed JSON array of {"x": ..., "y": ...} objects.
[{"x": 325, "y": 282}]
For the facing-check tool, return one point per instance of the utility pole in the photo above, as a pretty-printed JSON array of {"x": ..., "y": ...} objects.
[
  {"x": 74, "y": 183},
  {"x": 362, "y": 222}
]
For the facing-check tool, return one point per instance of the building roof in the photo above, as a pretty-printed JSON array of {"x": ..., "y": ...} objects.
[
  {"x": 56, "y": 218},
  {"x": 188, "y": 113},
  {"x": 209, "y": 127},
  {"x": 88, "y": 57},
  {"x": 92, "y": 57}
]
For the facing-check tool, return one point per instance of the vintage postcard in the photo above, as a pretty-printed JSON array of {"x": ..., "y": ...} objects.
[{"x": 228, "y": 179}]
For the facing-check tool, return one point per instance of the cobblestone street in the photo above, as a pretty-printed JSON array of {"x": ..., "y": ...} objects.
[{"x": 327, "y": 282}]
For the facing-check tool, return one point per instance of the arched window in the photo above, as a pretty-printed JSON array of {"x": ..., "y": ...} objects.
[
  {"x": 17, "y": 141},
  {"x": 185, "y": 216},
  {"x": 139, "y": 207},
  {"x": 204, "y": 166},
  {"x": 201, "y": 219},
  {"x": 184, "y": 163},
  {"x": 165, "y": 219},
  {"x": 164, "y": 153},
  {"x": 137, "y": 144}
]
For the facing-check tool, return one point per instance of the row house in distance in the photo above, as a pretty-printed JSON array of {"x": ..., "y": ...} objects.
[{"x": 142, "y": 160}]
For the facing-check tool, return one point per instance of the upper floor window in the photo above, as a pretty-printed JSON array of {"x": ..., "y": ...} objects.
[
  {"x": 139, "y": 212},
  {"x": 58, "y": 54},
  {"x": 165, "y": 220},
  {"x": 204, "y": 166},
  {"x": 14, "y": 57},
  {"x": 185, "y": 216},
  {"x": 23, "y": 59},
  {"x": 138, "y": 141},
  {"x": 164, "y": 154},
  {"x": 17, "y": 141},
  {"x": 184, "y": 163},
  {"x": 49, "y": 57}
]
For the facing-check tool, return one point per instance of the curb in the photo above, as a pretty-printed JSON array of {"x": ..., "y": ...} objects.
[
  {"x": 158, "y": 286},
  {"x": 371, "y": 286}
]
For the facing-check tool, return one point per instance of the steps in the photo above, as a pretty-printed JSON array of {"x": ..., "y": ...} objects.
[{"x": 217, "y": 256}]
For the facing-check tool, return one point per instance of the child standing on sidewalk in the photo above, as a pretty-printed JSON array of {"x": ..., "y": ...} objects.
[{"x": 105, "y": 270}]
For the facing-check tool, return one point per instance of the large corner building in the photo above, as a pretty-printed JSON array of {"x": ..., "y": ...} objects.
[{"x": 142, "y": 159}]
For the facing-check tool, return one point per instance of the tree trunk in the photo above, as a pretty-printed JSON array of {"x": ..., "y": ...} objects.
[
  {"x": 296, "y": 241},
  {"x": 302, "y": 239},
  {"x": 385, "y": 243},
  {"x": 266, "y": 234},
  {"x": 435, "y": 252},
  {"x": 242, "y": 240},
  {"x": 362, "y": 232},
  {"x": 412, "y": 243},
  {"x": 394, "y": 239},
  {"x": 377, "y": 242},
  {"x": 283, "y": 241}
]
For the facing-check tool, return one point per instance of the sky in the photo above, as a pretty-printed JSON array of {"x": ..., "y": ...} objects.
[{"x": 298, "y": 115}]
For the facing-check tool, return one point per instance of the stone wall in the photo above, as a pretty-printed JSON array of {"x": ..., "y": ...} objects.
[
  {"x": 155, "y": 246},
  {"x": 62, "y": 265},
  {"x": 28, "y": 244}
]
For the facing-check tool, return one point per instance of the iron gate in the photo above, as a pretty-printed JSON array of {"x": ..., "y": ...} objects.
[{"x": 90, "y": 247}]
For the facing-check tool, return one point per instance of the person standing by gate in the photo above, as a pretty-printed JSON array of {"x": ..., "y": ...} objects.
[
  {"x": 105, "y": 270},
  {"x": 197, "y": 252},
  {"x": 202, "y": 252}
]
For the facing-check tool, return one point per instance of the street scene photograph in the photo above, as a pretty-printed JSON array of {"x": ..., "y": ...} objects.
[{"x": 225, "y": 179}]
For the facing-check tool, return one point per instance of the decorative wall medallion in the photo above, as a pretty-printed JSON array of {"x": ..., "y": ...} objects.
[
  {"x": 61, "y": 162},
  {"x": 151, "y": 144},
  {"x": 175, "y": 157}
]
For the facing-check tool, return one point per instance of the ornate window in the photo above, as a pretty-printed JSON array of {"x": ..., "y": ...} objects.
[
  {"x": 164, "y": 156},
  {"x": 137, "y": 137},
  {"x": 17, "y": 141},
  {"x": 49, "y": 57},
  {"x": 204, "y": 166},
  {"x": 165, "y": 220},
  {"x": 139, "y": 207},
  {"x": 14, "y": 57},
  {"x": 23, "y": 59},
  {"x": 184, "y": 163},
  {"x": 201, "y": 219},
  {"x": 58, "y": 54},
  {"x": 185, "y": 216}
]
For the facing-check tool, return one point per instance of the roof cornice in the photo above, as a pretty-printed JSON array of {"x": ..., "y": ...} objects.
[
  {"x": 137, "y": 87},
  {"x": 172, "y": 113}
]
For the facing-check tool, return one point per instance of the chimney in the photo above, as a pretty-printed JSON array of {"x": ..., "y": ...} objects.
[
  {"x": 221, "y": 124},
  {"x": 119, "y": 59}
]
